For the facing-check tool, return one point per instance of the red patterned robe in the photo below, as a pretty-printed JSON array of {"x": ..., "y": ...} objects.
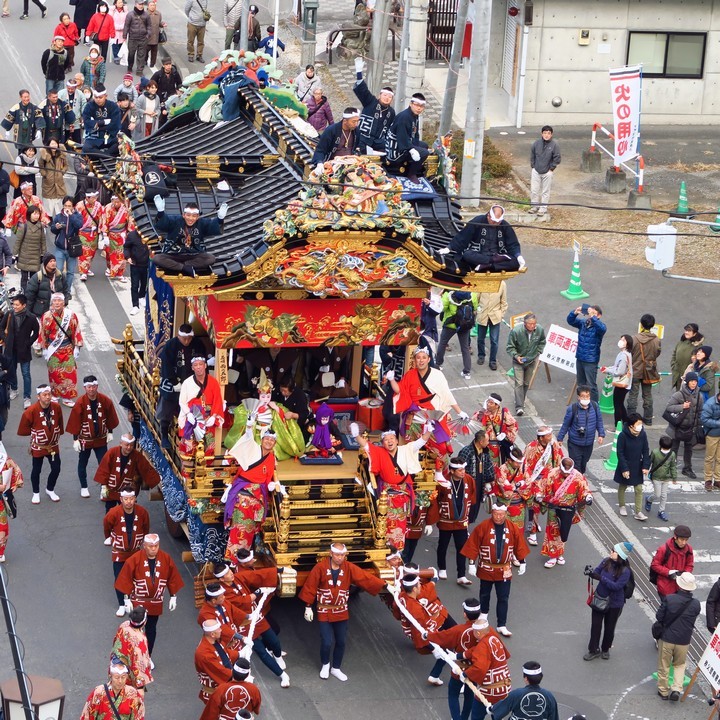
[
  {"x": 128, "y": 702},
  {"x": 512, "y": 489},
  {"x": 241, "y": 594},
  {"x": 458, "y": 639},
  {"x": 80, "y": 424},
  {"x": 494, "y": 424},
  {"x": 115, "y": 528},
  {"x": 480, "y": 548},
  {"x": 427, "y": 609},
  {"x": 536, "y": 466},
  {"x": 134, "y": 581},
  {"x": 210, "y": 669},
  {"x": 116, "y": 224},
  {"x": 489, "y": 667},
  {"x": 137, "y": 472},
  {"x": 93, "y": 217},
  {"x": 209, "y": 401},
  {"x": 60, "y": 335},
  {"x": 332, "y": 597},
  {"x": 15, "y": 483},
  {"x": 44, "y": 428},
  {"x": 231, "y": 618},
  {"x": 131, "y": 648},
  {"x": 450, "y": 509},
  {"x": 561, "y": 491},
  {"x": 229, "y": 698}
]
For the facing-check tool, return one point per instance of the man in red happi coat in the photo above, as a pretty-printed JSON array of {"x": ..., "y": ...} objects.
[
  {"x": 229, "y": 698},
  {"x": 213, "y": 661}
]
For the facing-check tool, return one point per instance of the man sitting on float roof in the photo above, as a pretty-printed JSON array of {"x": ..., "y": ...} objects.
[{"x": 184, "y": 248}]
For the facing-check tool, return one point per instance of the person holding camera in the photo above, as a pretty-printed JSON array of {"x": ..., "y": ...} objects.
[
  {"x": 613, "y": 574},
  {"x": 582, "y": 422},
  {"x": 591, "y": 330}
]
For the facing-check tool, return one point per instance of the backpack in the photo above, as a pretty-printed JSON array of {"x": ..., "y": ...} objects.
[
  {"x": 464, "y": 317},
  {"x": 653, "y": 576},
  {"x": 629, "y": 588}
]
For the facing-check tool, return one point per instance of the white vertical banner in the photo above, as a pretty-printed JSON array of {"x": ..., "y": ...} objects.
[{"x": 625, "y": 90}]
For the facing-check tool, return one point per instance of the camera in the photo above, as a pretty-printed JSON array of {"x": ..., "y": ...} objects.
[
  {"x": 588, "y": 570},
  {"x": 713, "y": 699},
  {"x": 581, "y": 431}
]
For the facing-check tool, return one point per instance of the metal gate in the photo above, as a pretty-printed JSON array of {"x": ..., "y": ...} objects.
[
  {"x": 510, "y": 48},
  {"x": 441, "y": 28}
]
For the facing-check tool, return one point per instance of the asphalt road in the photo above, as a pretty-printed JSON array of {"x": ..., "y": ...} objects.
[{"x": 60, "y": 573}]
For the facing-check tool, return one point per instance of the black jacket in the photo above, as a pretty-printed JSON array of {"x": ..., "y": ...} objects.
[
  {"x": 633, "y": 456},
  {"x": 53, "y": 64},
  {"x": 479, "y": 235},
  {"x": 136, "y": 250},
  {"x": 167, "y": 84},
  {"x": 680, "y": 631},
  {"x": 712, "y": 609},
  {"x": 19, "y": 340},
  {"x": 329, "y": 141},
  {"x": 38, "y": 291}
]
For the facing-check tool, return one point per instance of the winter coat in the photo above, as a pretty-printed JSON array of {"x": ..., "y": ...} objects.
[
  {"x": 706, "y": 377},
  {"x": 118, "y": 18},
  {"x": 675, "y": 405},
  {"x": 710, "y": 417},
  {"x": 544, "y": 155},
  {"x": 576, "y": 417},
  {"x": 39, "y": 290},
  {"x": 4, "y": 188},
  {"x": 623, "y": 362},
  {"x": 69, "y": 33},
  {"x": 136, "y": 250},
  {"x": 680, "y": 559},
  {"x": 610, "y": 586},
  {"x": 155, "y": 25},
  {"x": 680, "y": 631},
  {"x": 492, "y": 306},
  {"x": 319, "y": 116},
  {"x": 232, "y": 10},
  {"x": 131, "y": 92},
  {"x": 665, "y": 471},
  {"x": 93, "y": 71},
  {"x": 712, "y": 607},
  {"x": 194, "y": 12},
  {"x": 681, "y": 356},
  {"x": 77, "y": 103},
  {"x": 6, "y": 256},
  {"x": 591, "y": 331},
  {"x": 451, "y": 301},
  {"x": 141, "y": 104},
  {"x": 71, "y": 225},
  {"x": 52, "y": 171},
  {"x": 524, "y": 344},
  {"x": 633, "y": 454},
  {"x": 103, "y": 25},
  {"x": 651, "y": 348},
  {"x": 167, "y": 84},
  {"x": 53, "y": 64},
  {"x": 137, "y": 25},
  {"x": 30, "y": 245},
  {"x": 304, "y": 86},
  {"x": 84, "y": 10},
  {"x": 19, "y": 340}
]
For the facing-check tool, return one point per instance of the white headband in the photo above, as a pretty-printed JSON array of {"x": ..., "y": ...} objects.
[
  {"x": 480, "y": 625},
  {"x": 215, "y": 593},
  {"x": 347, "y": 116},
  {"x": 152, "y": 539},
  {"x": 268, "y": 433},
  {"x": 343, "y": 548},
  {"x": 127, "y": 493},
  {"x": 41, "y": 388},
  {"x": 99, "y": 93},
  {"x": 27, "y": 183},
  {"x": 91, "y": 193},
  {"x": 394, "y": 555},
  {"x": 532, "y": 672},
  {"x": 250, "y": 557},
  {"x": 458, "y": 466},
  {"x": 90, "y": 382},
  {"x": 185, "y": 334},
  {"x": 387, "y": 90},
  {"x": 118, "y": 669},
  {"x": 497, "y": 218},
  {"x": 567, "y": 471},
  {"x": 411, "y": 581},
  {"x": 387, "y": 432},
  {"x": 497, "y": 506},
  {"x": 211, "y": 625},
  {"x": 515, "y": 457},
  {"x": 241, "y": 670},
  {"x": 222, "y": 573},
  {"x": 419, "y": 349},
  {"x": 418, "y": 101},
  {"x": 471, "y": 608},
  {"x": 126, "y": 437},
  {"x": 57, "y": 295},
  {"x": 198, "y": 358},
  {"x": 542, "y": 433},
  {"x": 191, "y": 211}
]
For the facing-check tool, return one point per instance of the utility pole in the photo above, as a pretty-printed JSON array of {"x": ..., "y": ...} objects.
[
  {"x": 378, "y": 44},
  {"x": 417, "y": 39},
  {"x": 243, "y": 44},
  {"x": 402, "y": 64},
  {"x": 475, "y": 118},
  {"x": 451, "y": 84}
]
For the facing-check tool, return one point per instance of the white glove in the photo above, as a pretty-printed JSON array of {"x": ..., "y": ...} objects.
[
  {"x": 320, "y": 168},
  {"x": 354, "y": 429},
  {"x": 222, "y": 211},
  {"x": 8, "y": 232},
  {"x": 521, "y": 260},
  {"x": 359, "y": 65},
  {"x": 173, "y": 603},
  {"x": 91, "y": 174},
  {"x": 190, "y": 418},
  {"x": 389, "y": 375},
  {"x": 444, "y": 251},
  {"x": 438, "y": 653},
  {"x": 462, "y": 415},
  {"x": 501, "y": 436},
  {"x": 324, "y": 368},
  {"x": 340, "y": 383},
  {"x": 76, "y": 446},
  {"x": 428, "y": 427},
  {"x": 439, "y": 477},
  {"x": 428, "y": 530},
  {"x": 76, "y": 353},
  {"x": 522, "y": 569},
  {"x": 38, "y": 136},
  {"x": 159, "y": 203},
  {"x": 8, "y": 134},
  {"x": 279, "y": 487},
  {"x": 176, "y": 388},
  {"x": 472, "y": 570},
  {"x": 271, "y": 486},
  {"x": 128, "y": 606},
  {"x": 210, "y": 421},
  {"x": 211, "y": 362},
  {"x": 414, "y": 154},
  {"x": 109, "y": 437},
  {"x": 107, "y": 541},
  {"x": 308, "y": 614}
]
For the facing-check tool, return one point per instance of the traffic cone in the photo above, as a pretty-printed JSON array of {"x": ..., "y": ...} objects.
[
  {"x": 682, "y": 206},
  {"x": 612, "y": 462},
  {"x": 716, "y": 227},
  {"x": 474, "y": 331},
  {"x": 575, "y": 290},
  {"x": 510, "y": 372},
  {"x": 606, "y": 396}
]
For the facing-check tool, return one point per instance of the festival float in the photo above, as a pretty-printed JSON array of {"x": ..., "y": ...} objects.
[{"x": 333, "y": 259}]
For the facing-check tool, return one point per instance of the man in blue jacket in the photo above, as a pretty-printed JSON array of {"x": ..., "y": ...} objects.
[
  {"x": 591, "y": 331},
  {"x": 710, "y": 421},
  {"x": 583, "y": 420}
]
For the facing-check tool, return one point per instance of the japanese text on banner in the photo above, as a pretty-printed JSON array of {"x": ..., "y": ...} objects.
[
  {"x": 625, "y": 89},
  {"x": 709, "y": 664},
  {"x": 560, "y": 348}
]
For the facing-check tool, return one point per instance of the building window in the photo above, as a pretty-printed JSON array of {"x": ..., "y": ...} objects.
[{"x": 670, "y": 55}]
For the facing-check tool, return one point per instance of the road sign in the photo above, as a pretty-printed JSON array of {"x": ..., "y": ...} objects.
[
  {"x": 659, "y": 330},
  {"x": 560, "y": 348}
]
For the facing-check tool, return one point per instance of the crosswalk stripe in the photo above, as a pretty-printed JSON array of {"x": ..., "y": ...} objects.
[{"x": 95, "y": 334}]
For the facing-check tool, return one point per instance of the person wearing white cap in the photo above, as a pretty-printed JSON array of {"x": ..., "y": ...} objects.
[
  {"x": 213, "y": 660},
  {"x": 541, "y": 456},
  {"x": 676, "y": 617},
  {"x": 72, "y": 95},
  {"x": 328, "y": 585},
  {"x": 491, "y": 548},
  {"x": 236, "y": 698},
  {"x": 91, "y": 423},
  {"x": 130, "y": 648},
  {"x": 115, "y": 698},
  {"x": 43, "y": 422},
  {"x": 143, "y": 581},
  {"x": 11, "y": 479},
  {"x": 530, "y": 702},
  {"x": 53, "y": 63},
  {"x": 124, "y": 465},
  {"x": 500, "y": 426},
  {"x": 406, "y": 152},
  {"x": 339, "y": 139},
  {"x": 488, "y": 243},
  {"x": 565, "y": 494},
  {"x": 488, "y": 667},
  {"x": 125, "y": 527}
]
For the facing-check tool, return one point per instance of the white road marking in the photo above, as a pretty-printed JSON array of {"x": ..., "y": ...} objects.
[{"x": 93, "y": 329}]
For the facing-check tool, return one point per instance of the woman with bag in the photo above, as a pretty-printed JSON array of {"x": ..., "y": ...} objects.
[
  {"x": 683, "y": 416},
  {"x": 118, "y": 13},
  {"x": 67, "y": 30},
  {"x": 622, "y": 377},
  {"x": 633, "y": 466},
  {"x": 613, "y": 574},
  {"x": 30, "y": 245},
  {"x": 84, "y": 10},
  {"x": 101, "y": 28},
  {"x": 705, "y": 369}
]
